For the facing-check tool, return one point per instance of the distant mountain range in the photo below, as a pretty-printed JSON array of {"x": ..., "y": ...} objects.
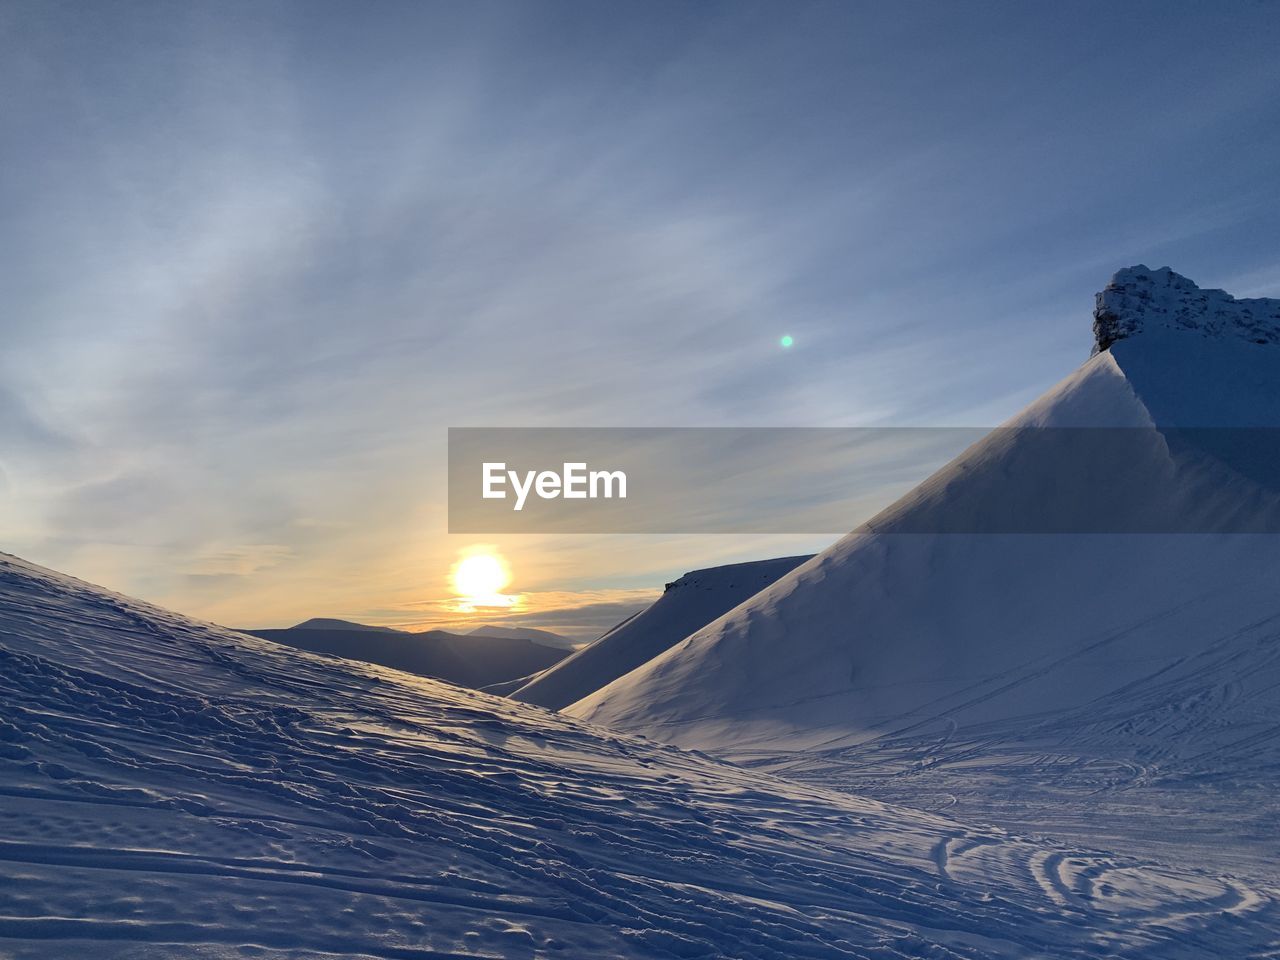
[
  {"x": 544, "y": 637},
  {"x": 469, "y": 660},
  {"x": 330, "y": 623}
]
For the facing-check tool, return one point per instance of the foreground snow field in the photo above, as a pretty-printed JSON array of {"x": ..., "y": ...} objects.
[{"x": 170, "y": 788}]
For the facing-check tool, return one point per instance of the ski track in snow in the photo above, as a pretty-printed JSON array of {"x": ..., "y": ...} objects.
[
  {"x": 1178, "y": 762},
  {"x": 169, "y": 788}
]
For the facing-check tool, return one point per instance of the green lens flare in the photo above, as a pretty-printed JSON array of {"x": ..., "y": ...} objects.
[{"x": 786, "y": 340}]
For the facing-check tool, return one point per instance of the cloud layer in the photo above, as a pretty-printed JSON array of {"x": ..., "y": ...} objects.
[{"x": 258, "y": 257}]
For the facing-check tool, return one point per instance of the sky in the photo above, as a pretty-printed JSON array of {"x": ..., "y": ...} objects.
[{"x": 257, "y": 258}]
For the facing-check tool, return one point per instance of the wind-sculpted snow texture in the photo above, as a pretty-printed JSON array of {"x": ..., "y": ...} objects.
[{"x": 172, "y": 789}]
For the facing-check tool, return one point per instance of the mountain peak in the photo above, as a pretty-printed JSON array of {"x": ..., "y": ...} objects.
[
  {"x": 1139, "y": 298},
  {"x": 330, "y": 623}
]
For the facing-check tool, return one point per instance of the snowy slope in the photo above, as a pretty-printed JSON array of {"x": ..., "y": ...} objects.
[
  {"x": 1097, "y": 684},
  {"x": 472, "y": 661},
  {"x": 686, "y": 605},
  {"x": 173, "y": 789}
]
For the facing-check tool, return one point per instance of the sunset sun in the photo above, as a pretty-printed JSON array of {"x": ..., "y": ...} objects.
[{"x": 479, "y": 577}]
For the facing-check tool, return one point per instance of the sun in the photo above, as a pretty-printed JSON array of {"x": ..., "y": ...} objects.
[{"x": 479, "y": 577}]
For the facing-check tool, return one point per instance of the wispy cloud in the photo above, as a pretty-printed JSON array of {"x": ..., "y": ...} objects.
[
  {"x": 257, "y": 259},
  {"x": 239, "y": 561}
]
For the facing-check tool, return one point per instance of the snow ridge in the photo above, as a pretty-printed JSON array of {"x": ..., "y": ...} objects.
[
  {"x": 1139, "y": 298},
  {"x": 686, "y": 605}
]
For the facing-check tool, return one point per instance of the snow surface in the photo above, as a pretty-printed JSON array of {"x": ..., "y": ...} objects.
[
  {"x": 687, "y": 604},
  {"x": 174, "y": 789},
  {"x": 1113, "y": 688}
]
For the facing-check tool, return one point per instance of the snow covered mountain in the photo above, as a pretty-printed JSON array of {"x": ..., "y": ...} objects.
[
  {"x": 1114, "y": 679},
  {"x": 468, "y": 660},
  {"x": 686, "y": 605},
  {"x": 174, "y": 789},
  {"x": 1140, "y": 299}
]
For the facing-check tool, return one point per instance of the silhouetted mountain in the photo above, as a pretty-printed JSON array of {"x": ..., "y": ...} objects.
[
  {"x": 470, "y": 661},
  {"x": 544, "y": 637},
  {"x": 331, "y": 623}
]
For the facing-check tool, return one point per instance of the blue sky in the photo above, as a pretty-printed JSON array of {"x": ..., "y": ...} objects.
[{"x": 258, "y": 257}]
